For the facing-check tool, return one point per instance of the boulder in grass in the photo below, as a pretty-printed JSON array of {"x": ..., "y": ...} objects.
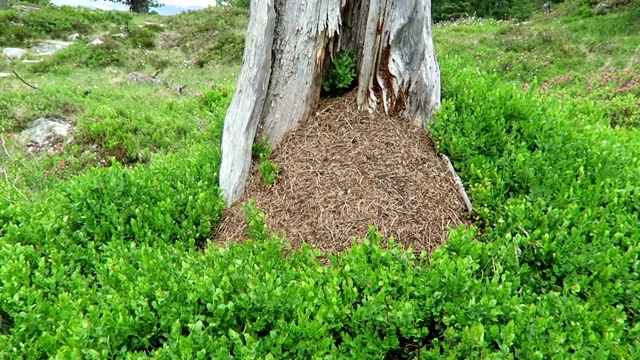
[
  {"x": 50, "y": 47},
  {"x": 44, "y": 133},
  {"x": 13, "y": 53}
]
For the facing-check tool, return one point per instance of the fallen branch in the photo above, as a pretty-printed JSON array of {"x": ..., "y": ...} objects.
[
  {"x": 21, "y": 79},
  {"x": 155, "y": 73},
  {"x": 181, "y": 88},
  {"x": 152, "y": 79},
  {"x": 458, "y": 183}
]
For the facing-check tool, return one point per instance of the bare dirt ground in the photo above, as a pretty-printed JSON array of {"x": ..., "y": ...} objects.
[{"x": 344, "y": 170}]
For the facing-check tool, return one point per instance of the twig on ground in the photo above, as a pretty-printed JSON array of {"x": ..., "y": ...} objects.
[
  {"x": 23, "y": 80},
  {"x": 459, "y": 184}
]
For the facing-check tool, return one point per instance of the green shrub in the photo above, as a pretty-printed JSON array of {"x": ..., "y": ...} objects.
[
  {"x": 229, "y": 48},
  {"x": 144, "y": 38},
  {"x": 80, "y": 54},
  {"x": 341, "y": 74},
  {"x": 12, "y": 33},
  {"x": 269, "y": 170},
  {"x": 261, "y": 149},
  {"x": 110, "y": 263},
  {"x": 216, "y": 34},
  {"x": 55, "y": 23},
  {"x": 19, "y": 108},
  {"x": 240, "y": 300},
  {"x": 557, "y": 222},
  {"x": 615, "y": 90}
]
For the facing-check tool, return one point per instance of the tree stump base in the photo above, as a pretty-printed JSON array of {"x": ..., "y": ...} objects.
[{"x": 343, "y": 170}]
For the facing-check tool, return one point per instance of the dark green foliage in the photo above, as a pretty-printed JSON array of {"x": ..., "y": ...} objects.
[
  {"x": 341, "y": 74},
  {"x": 262, "y": 152},
  {"x": 501, "y": 9},
  {"x": 215, "y": 34},
  {"x": 53, "y": 23},
  {"x": 80, "y": 54},
  {"x": 555, "y": 187},
  {"x": 243, "y": 4},
  {"x": 35, "y": 2},
  {"x": 6, "y": 323},
  {"x": 229, "y": 48},
  {"x": 109, "y": 264},
  {"x": 261, "y": 149},
  {"x": 144, "y": 37}
]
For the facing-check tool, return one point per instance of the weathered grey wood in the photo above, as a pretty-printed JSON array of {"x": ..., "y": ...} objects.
[
  {"x": 458, "y": 182},
  {"x": 244, "y": 112},
  {"x": 302, "y": 32},
  {"x": 4, "y": 5},
  {"x": 280, "y": 81},
  {"x": 403, "y": 74}
]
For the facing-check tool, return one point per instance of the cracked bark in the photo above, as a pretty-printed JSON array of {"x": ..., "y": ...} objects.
[{"x": 288, "y": 48}]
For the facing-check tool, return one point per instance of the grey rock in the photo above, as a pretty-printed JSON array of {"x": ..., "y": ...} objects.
[
  {"x": 96, "y": 42},
  {"x": 601, "y": 8},
  {"x": 13, "y": 53},
  {"x": 25, "y": 8},
  {"x": 42, "y": 129},
  {"x": 50, "y": 47},
  {"x": 74, "y": 36}
]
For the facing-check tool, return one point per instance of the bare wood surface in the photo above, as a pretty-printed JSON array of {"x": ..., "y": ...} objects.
[
  {"x": 243, "y": 115},
  {"x": 288, "y": 48}
]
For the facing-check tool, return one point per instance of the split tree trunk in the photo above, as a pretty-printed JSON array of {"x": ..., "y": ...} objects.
[{"x": 288, "y": 48}]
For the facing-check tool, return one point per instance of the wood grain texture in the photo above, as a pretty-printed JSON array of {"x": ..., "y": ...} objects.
[
  {"x": 289, "y": 45},
  {"x": 243, "y": 115}
]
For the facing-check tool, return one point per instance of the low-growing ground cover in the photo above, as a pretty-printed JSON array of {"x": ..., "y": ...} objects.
[
  {"x": 571, "y": 52},
  {"x": 89, "y": 88},
  {"x": 106, "y": 263}
]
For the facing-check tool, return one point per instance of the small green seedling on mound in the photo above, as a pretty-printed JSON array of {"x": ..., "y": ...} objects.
[
  {"x": 341, "y": 75},
  {"x": 269, "y": 170}
]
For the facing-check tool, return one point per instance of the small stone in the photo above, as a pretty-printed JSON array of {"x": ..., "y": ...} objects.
[
  {"x": 96, "y": 42},
  {"x": 73, "y": 36},
  {"x": 43, "y": 128},
  {"x": 13, "y": 53},
  {"x": 50, "y": 47}
]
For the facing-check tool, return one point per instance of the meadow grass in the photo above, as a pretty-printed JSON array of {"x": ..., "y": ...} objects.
[{"x": 106, "y": 260}]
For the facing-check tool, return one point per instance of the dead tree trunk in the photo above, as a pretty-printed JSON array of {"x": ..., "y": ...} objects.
[
  {"x": 289, "y": 46},
  {"x": 139, "y": 6},
  {"x": 3, "y": 5}
]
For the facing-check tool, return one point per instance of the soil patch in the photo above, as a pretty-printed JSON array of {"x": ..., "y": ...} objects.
[{"x": 344, "y": 170}]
